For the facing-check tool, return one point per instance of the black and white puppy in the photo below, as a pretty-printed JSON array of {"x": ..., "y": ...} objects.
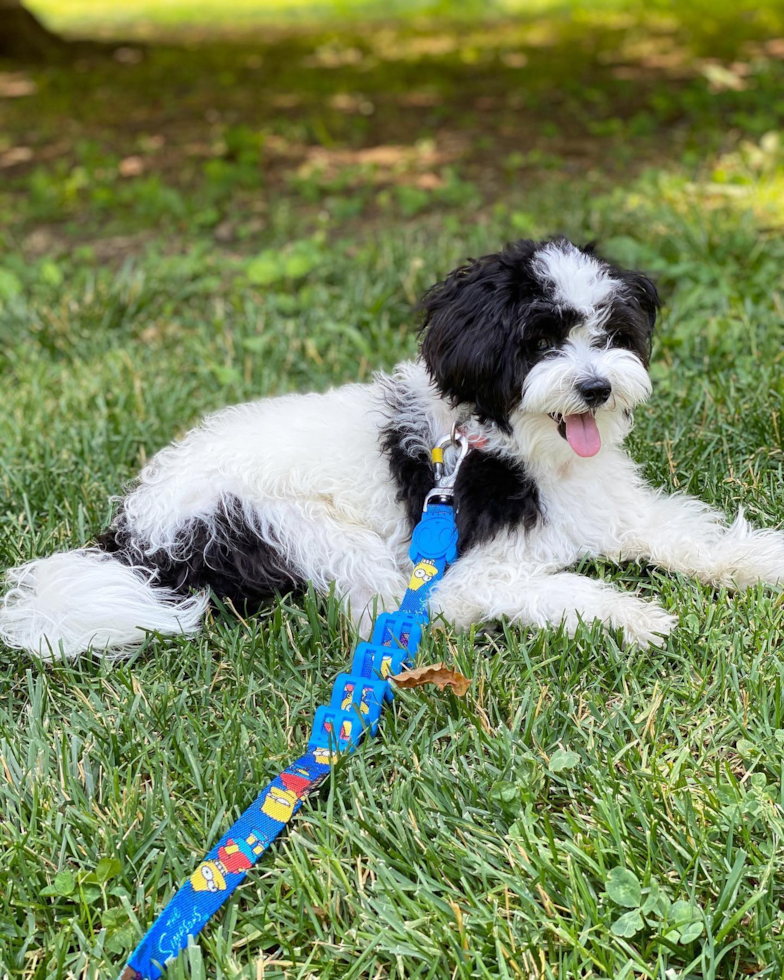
[{"x": 540, "y": 353}]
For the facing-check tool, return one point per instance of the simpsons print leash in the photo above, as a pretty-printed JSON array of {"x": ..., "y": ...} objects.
[{"x": 354, "y": 709}]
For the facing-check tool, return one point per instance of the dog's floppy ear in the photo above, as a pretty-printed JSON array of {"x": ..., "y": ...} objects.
[
  {"x": 646, "y": 295},
  {"x": 636, "y": 308},
  {"x": 471, "y": 340}
]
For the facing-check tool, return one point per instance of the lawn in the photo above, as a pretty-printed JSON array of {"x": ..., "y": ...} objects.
[{"x": 221, "y": 210}]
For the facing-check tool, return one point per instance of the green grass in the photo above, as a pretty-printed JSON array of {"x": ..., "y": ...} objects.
[{"x": 288, "y": 202}]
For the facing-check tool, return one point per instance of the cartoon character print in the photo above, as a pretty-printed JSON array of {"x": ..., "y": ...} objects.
[
  {"x": 325, "y": 757},
  {"x": 234, "y": 857},
  {"x": 240, "y": 855},
  {"x": 386, "y": 667},
  {"x": 344, "y": 735},
  {"x": 279, "y": 803},
  {"x": 298, "y": 780},
  {"x": 210, "y": 876},
  {"x": 424, "y": 572},
  {"x": 364, "y": 707},
  {"x": 348, "y": 698}
]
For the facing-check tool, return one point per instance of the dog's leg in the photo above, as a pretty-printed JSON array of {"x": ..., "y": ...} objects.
[
  {"x": 475, "y": 590},
  {"x": 682, "y": 534}
]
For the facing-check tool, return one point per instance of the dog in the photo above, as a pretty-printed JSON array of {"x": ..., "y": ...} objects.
[{"x": 539, "y": 353}]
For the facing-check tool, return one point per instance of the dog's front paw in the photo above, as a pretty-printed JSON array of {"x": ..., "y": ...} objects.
[{"x": 644, "y": 624}]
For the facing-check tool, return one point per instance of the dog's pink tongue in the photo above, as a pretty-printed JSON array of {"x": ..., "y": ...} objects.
[{"x": 582, "y": 434}]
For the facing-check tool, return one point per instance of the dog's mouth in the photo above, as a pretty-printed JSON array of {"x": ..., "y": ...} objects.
[{"x": 580, "y": 431}]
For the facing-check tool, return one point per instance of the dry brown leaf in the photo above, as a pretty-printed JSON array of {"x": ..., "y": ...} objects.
[{"x": 438, "y": 674}]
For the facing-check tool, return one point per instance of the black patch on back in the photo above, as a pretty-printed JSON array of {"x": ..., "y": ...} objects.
[
  {"x": 492, "y": 495},
  {"x": 225, "y": 555}
]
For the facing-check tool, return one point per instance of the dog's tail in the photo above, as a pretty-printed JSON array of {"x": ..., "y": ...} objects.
[{"x": 68, "y": 603}]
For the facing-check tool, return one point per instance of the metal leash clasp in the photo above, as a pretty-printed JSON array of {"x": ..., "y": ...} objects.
[{"x": 444, "y": 490}]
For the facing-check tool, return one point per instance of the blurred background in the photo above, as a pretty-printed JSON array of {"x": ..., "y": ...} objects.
[{"x": 254, "y": 137}]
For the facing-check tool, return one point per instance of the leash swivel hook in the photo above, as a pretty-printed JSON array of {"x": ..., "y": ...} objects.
[{"x": 444, "y": 488}]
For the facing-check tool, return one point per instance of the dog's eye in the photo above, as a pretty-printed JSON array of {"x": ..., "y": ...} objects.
[{"x": 544, "y": 344}]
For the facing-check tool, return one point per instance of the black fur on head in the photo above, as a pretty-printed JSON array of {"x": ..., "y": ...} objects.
[{"x": 490, "y": 321}]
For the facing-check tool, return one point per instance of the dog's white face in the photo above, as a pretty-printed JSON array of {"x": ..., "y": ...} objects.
[
  {"x": 545, "y": 339},
  {"x": 585, "y": 387}
]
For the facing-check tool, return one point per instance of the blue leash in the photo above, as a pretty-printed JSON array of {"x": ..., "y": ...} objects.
[{"x": 354, "y": 710}]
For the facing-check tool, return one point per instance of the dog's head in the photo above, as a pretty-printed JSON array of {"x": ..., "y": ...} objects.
[{"x": 544, "y": 335}]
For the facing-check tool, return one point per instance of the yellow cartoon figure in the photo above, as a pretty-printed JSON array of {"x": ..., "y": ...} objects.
[
  {"x": 386, "y": 667},
  {"x": 325, "y": 757},
  {"x": 424, "y": 572},
  {"x": 279, "y": 804},
  {"x": 348, "y": 696},
  {"x": 208, "y": 877}
]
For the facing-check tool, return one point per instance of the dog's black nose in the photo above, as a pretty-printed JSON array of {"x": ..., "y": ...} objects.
[{"x": 595, "y": 391}]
